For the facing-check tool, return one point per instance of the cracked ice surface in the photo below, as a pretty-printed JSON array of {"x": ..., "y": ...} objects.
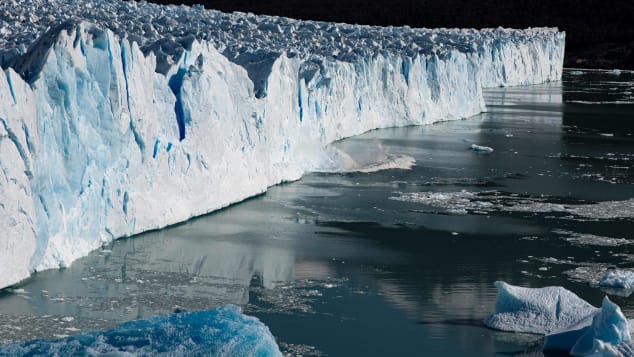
[{"x": 120, "y": 117}]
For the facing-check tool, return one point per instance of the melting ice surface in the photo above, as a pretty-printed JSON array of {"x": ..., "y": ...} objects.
[
  {"x": 224, "y": 331},
  {"x": 108, "y": 108},
  {"x": 571, "y": 324}
]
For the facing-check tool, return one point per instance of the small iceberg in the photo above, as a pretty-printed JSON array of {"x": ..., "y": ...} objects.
[
  {"x": 482, "y": 149},
  {"x": 540, "y": 310},
  {"x": 570, "y": 323},
  {"x": 224, "y": 331},
  {"x": 617, "y": 279},
  {"x": 605, "y": 333}
]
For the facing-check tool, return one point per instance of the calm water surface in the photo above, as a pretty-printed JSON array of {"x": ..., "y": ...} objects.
[{"x": 395, "y": 262}]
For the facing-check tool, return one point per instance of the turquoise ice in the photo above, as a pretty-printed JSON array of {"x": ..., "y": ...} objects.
[{"x": 224, "y": 331}]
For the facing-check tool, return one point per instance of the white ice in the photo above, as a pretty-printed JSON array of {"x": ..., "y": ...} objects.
[
  {"x": 617, "y": 279},
  {"x": 536, "y": 310},
  {"x": 118, "y": 117},
  {"x": 480, "y": 148},
  {"x": 605, "y": 333},
  {"x": 570, "y": 323},
  {"x": 497, "y": 201}
]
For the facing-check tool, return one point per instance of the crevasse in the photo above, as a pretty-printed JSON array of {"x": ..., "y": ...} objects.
[{"x": 104, "y": 134}]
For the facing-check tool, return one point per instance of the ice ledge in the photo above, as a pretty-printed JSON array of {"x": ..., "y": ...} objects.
[{"x": 93, "y": 135}]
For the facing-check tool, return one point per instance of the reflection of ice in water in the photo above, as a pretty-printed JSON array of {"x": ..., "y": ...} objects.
[
  {"x": 148, "y": 276},
  {"x": 600, "y": 86},
  {"x": 218, "y": 265},
  {"x": 545, "y": 94},
  {"x": 294, "y": 297}
]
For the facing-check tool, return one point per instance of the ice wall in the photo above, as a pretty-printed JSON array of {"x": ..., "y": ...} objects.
[{"x": 105, "y": 133}]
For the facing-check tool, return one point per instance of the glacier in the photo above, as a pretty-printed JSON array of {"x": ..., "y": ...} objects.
[
  {"x": 569, "y": 323},
  {"x": 119, "y": 117},
  {"x": 224, "y": 331}
]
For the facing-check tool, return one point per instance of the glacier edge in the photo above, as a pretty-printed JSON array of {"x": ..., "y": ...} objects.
[{"x": 98, "y": 145}]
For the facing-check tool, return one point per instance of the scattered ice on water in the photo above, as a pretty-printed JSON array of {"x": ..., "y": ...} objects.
[
  {"x": 291, "y": 350},
  {"x": 617, "y": 281},
  {"x": 614, "y": 281},
  {"x": 495, "y": 201},
  {"x": 591, "y": 239}
]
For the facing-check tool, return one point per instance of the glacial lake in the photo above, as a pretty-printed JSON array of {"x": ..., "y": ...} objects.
[{"x": 392, "y": 262}]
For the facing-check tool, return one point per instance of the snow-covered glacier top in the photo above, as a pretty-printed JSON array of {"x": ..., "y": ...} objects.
[
  {"x": 250, "y": 40},
  {"x": 118, "y": 117},
  {"x": 171, "y": 28}
]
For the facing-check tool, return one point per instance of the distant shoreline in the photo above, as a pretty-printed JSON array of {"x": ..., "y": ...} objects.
[{"x": 597, "y": 36}]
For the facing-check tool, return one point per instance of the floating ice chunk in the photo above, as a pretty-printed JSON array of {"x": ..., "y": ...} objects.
[
  {"x": 572, "y": 325},
  {"x": 483, "y": 149},
  {"x": 617, "y": 279},
  {"x": 539, "y": 310},
  {"x": 609, "y": 329},
  {"x": 564, "y": 339},
  {"x": 224, "y": 331},
  {"x": 612, "y": 281},
  {"x": 591, "y": 239}
]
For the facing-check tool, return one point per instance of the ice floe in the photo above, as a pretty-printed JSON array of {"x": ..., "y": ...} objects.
[{"x": 569, "y": 323}]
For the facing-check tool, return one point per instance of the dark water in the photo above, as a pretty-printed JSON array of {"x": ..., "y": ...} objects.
[{"x": 395, "y": 262}]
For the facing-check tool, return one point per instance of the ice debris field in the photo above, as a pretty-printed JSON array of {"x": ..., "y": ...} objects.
[
  {"x": 224, "y": 331},
  {"x": 121, "y": 117},
  {"x": 569, "y": 323}
]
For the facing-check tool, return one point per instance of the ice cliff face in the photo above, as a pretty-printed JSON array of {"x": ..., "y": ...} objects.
[{"x": 120, "y": 117}]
